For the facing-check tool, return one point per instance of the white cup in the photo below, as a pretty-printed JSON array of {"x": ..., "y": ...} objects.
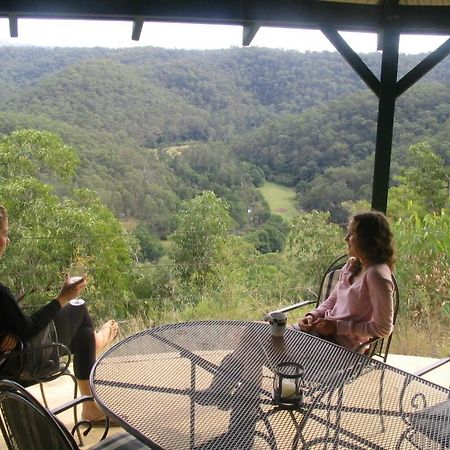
[
  {"x": 77, "y": 302},
  {"x": 277, "y": 322}
]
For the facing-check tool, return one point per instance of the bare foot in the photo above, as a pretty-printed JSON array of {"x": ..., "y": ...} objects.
[
  {"x": 106, "y": 335},
  {"x": 92, "y": 412}
]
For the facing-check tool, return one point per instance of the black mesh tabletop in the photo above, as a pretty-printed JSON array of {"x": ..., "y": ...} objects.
[{"x": 209, "y": 385}]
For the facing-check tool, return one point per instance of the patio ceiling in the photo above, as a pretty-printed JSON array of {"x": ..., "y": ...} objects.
[
  {"x": 388, "y": 18},
  {"x": 410, "y": 16}
]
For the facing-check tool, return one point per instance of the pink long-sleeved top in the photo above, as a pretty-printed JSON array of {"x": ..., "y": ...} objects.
[{"x": 362, "y": 309}]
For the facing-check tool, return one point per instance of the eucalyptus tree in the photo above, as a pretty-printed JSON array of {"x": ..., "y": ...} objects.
[
  {"x": 201, "y": 240},
  {"x": 420, "y": 205},
  {"x": 423, "y": 185},
  {"x": 313, "y": 243},
  {"x": 50, "y": 229}
]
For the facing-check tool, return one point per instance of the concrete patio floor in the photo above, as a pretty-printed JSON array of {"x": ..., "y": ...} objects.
[{"x": 59, "y": 391}]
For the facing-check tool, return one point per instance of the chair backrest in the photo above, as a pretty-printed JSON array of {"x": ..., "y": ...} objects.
[
  {"x": 26, "y": 424},
  {"x": 379, "y": 347},
  {"x": 41, "y": 359},
  {"x": 330, "y": 278},
  {"x": 31, "y": 365}
]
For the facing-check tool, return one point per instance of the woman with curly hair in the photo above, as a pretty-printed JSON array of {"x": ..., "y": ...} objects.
[{"x": 360, "y": 306}]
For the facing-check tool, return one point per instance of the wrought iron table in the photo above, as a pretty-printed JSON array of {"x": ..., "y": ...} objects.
[{"x": 208, "y": 385}]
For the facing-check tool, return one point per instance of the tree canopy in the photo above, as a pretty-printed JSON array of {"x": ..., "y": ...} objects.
[{"x": 49, "y": 231}]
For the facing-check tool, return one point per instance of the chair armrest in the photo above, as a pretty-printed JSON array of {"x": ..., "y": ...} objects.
[
  {"x": 367, "y": 347},
  {"x": 71, "y": 404},
  {"x": 291, "y": 307},
  {"x": 432, "y": 366}
]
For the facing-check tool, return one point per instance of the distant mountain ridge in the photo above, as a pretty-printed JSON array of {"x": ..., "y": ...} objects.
[
  {"x": 175, "y": 95},
  {"x": 291, "y": 114}
]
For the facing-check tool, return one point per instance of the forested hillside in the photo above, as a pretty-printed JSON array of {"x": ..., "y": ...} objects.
[
  {"x": 327, "y": 151},
  {"x": 149, "y": 166},
  {"x": 292, "y": 116}
]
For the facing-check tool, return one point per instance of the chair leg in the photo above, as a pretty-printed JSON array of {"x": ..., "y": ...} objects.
[
  {"x": 75, "y": 410},
  {"x": 44, "y": 398}
]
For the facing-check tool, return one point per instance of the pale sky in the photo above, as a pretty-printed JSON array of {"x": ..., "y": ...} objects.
[{"x": 113, "y": 34}]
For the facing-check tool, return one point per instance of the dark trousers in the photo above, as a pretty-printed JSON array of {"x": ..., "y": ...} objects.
[{"x": 76, "y": 330}]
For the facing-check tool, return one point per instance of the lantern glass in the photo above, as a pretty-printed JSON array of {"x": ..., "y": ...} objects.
[{"x": 288, "y": 384}]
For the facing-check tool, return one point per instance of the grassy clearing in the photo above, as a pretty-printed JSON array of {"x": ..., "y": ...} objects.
[
  {"x": 176, "y": 150},
  {"x": 281, "y": 199}
]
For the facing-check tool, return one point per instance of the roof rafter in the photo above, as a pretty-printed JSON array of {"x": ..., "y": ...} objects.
[{"x": 350, "y": 16}]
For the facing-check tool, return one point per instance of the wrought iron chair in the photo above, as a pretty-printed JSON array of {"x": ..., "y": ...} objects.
[
  {"x": 428, "y": 423},
  {"x": 419, "y": 425},
  {"x": 27, "y": 424},
  {"x": 50, "y": 361},
  {"x": 436, "y": 365},
  {"x": 378, "y": 347},
  {"x": 442, "y": 410}
]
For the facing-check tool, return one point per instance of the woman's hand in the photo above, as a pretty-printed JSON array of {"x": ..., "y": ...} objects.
[
  {"x": 70, "y": 290},
  {"x": 306, "y": 323},
  {"x": 325, "y": 326},
  {"x": 8, "y": 342}
]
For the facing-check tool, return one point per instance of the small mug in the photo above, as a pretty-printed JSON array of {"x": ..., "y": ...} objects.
[{"x": 277, "y": 322}]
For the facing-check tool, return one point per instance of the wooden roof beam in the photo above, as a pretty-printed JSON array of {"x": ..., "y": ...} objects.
[
  {"x": 284, "y": 13},
  {"x": 352, "y": 58},
  {"x": 138, "y": 23},
  {"x": 13, "y": 26},
  {"x": 385, "y": 121},
  {"x": 249, "y": 32},
  {"x": 430, "y": 61}
]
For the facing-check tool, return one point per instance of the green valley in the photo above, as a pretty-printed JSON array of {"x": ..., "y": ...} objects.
[{"x": 210, "y": 184}]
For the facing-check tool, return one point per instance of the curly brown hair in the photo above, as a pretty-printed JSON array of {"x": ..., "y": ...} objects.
[
  {"x": 374, "y": 238},
  {"x": 3, "y": 213}
]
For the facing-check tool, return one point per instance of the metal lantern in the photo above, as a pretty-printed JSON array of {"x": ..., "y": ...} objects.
[{"x": 288, "y": 384}]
